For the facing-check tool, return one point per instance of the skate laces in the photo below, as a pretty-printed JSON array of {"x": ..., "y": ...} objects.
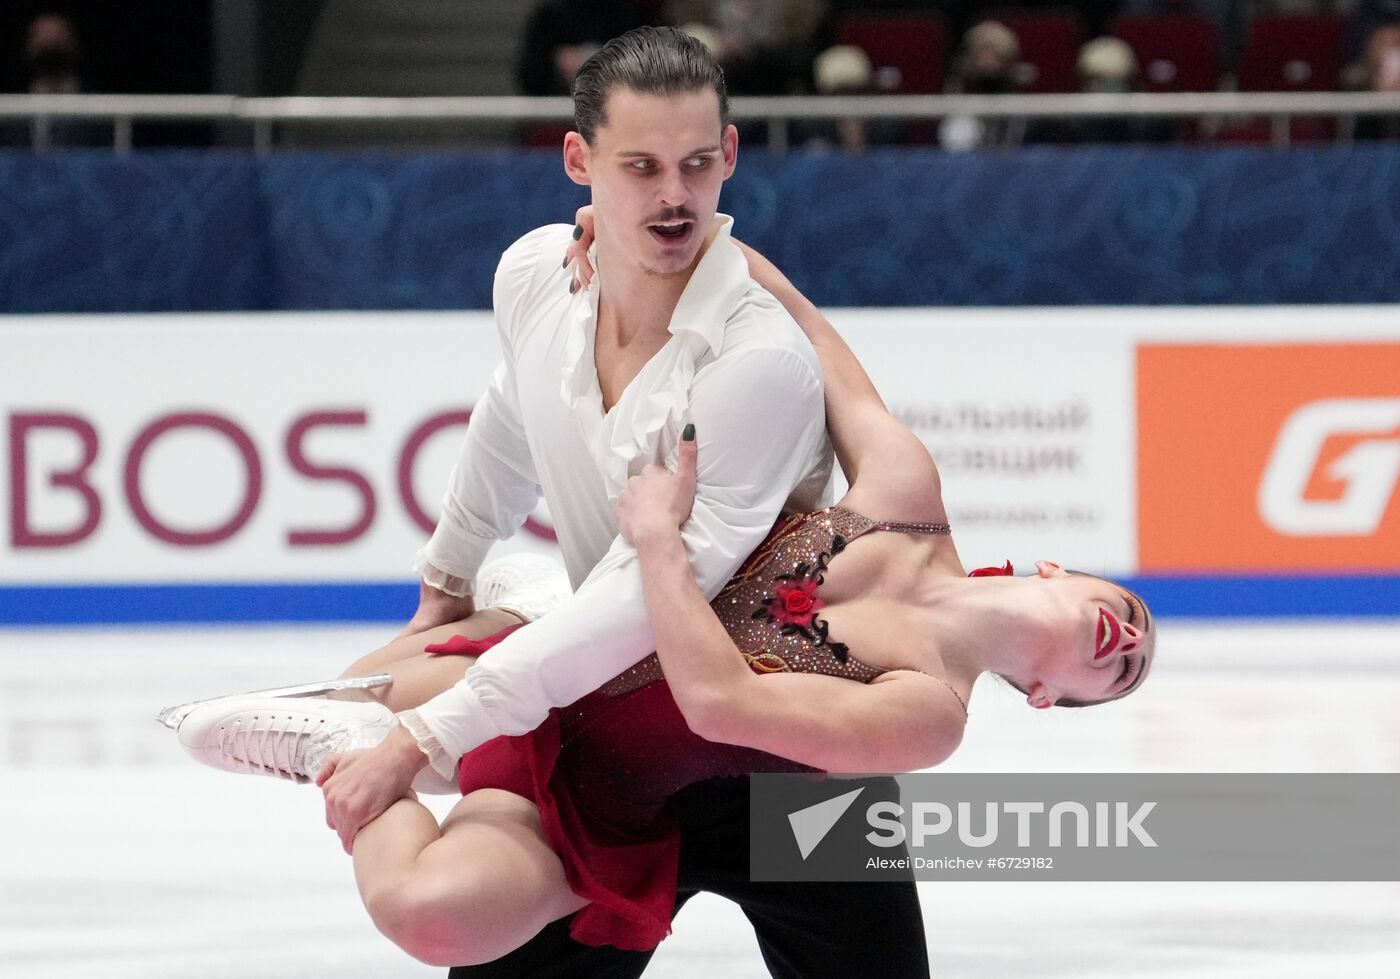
[{"x": 276, "y": 747}]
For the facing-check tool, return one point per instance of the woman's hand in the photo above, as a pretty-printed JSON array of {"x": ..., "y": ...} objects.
[
  {"x": 360, "y": 785},
  {"x": 577, "y": 253},
  {"x": 657, "y": 501},
  {"x": 762, "y": 271}
]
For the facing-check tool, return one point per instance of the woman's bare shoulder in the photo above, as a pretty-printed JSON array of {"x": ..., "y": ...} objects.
[{"x": 900, "y": 483}]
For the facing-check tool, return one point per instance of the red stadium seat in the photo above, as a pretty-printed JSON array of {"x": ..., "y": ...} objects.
[
  {"x": 1289, "y": 54},
  {"x": 1050, "y": 42},
  {"x": 909, "y": 52},
  {"x": 1293, "y": 54},
  {"x": 544, "y": 135},
  {"x": 1174, "y": 53}
]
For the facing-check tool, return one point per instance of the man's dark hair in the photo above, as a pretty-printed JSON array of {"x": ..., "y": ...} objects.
[{"x": 649, "y": 61}]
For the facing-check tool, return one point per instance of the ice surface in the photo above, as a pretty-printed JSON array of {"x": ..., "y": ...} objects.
[{"x": 122, "y": 858}]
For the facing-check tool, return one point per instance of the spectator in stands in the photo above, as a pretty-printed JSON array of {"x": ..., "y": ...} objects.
[
  {"x": 1383, "y": 59},
  {"x": 765, "y": 46},
  {"x": 51, "y": 57},
  {"x": 51, "y": 62},
  {"x": 1369, "y": 17},
  {"x": 1107, "y": 66},
  {"x": 562, "y": 34},
  {"x": 1380, "y": 72},
  {"x": 985, "y": 65},
  {"x": 843, "y": 69},
  {"x": 986, "y": 61}
]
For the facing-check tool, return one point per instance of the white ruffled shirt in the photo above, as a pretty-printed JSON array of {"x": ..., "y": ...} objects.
[{"x": 736, "y": 366}]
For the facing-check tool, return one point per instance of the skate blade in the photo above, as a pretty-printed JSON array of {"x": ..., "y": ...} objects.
[{"x": 172, "y": 716}]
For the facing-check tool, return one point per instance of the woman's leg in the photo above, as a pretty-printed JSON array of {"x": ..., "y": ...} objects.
[
  {"x": 480, "y": 886},
  {"x": 420, "y": 676},
  {"x": 477, "y": 626}
]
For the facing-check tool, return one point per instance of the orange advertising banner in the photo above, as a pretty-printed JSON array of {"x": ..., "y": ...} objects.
[{"x": 1269, "y": 457}]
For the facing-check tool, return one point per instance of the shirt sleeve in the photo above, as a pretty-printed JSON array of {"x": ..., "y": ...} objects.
[
  {"x": 742, "y": 483},
  {"x": 493, "y": 486}
]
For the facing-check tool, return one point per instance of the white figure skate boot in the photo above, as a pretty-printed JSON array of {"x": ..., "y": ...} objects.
[
  {"x": 527, "y": 585},
  {"x": 284, "y": 737},
  {"x": 171, "y": 717}
]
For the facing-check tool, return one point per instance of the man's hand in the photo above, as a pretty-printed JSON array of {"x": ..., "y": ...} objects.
[
  {"x": 360, "y": 785},
  {"x": 437, "y": 608},
  {"x": 658, "y": 501}
]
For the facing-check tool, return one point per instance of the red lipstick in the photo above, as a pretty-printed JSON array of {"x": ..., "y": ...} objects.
[{"x": 1108, "y": 635}]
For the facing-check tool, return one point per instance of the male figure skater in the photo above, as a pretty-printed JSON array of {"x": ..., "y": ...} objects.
[{"x": 596, "y": 384}]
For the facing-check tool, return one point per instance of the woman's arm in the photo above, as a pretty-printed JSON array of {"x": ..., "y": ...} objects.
[
  {"x": 866, "y": 437},
  {"x": 899, "y": 722}
]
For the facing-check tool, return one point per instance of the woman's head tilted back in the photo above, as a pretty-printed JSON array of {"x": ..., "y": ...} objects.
[{"x": 1094, "y": 640}]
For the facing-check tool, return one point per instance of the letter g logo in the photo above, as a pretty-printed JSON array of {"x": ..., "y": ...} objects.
[{"x": 1370, "y": 469}]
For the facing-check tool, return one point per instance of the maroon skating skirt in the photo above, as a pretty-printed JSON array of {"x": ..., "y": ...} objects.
[{"x": 601, "y": 772}]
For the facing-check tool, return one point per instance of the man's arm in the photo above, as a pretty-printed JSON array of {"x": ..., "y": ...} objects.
[
  {"x": 493, "y": 486},
  {"x": 761, "y": 427}
]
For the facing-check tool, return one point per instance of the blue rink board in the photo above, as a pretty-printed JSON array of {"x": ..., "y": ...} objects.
[
  {"x": 184, "y": 230},
  {"x": 1212, "y": 597}
]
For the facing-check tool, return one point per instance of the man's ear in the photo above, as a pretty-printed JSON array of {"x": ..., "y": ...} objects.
[
  {"x": 577, "y": 158},
  {"x": 1049, "y": 569},
  {"x": 729, "y": 146}
]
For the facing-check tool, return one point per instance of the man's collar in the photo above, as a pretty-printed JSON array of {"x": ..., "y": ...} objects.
[
  {"x": 703, "y": 310},
  {"x": 721, "y": 277}
]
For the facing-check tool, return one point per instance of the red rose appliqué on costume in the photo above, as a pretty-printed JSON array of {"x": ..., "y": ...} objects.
[{"x": 796, "y": 603}]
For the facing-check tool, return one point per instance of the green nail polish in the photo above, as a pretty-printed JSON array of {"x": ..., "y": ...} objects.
[
  {"x": 688, "y": 434},
  {"x": 566, "y": 262},
  {"x": 572, "y": 286},
  {"x": 578, "y": 232}
]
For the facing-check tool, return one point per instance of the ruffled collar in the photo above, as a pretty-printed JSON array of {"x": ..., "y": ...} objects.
[
  {"x": 699, "y": 319},
  {"x": 697, "y": 329}
]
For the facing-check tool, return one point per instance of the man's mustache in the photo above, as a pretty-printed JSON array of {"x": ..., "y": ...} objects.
[{"x": 677, "y": 214}]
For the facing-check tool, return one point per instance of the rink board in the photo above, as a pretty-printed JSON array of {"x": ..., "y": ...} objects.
[{"x": 285, "y": 467}]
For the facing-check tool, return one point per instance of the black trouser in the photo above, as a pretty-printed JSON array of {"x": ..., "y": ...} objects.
[{"x": 805, "y": 931}]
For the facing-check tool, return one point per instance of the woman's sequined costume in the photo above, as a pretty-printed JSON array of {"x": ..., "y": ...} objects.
[{"x": 602, "y": 769}]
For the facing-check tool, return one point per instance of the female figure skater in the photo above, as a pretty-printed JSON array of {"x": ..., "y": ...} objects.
[{"x": 849, "y": 642}]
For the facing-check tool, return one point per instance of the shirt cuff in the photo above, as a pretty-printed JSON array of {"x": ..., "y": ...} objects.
[
  {"x": 441, "y": 762},
  {"x": 441, "y": 580},
  {"x": 450, "y": 725}
]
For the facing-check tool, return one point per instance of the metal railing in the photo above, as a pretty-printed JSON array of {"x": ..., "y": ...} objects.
[{"x": 263, "y": 116}]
